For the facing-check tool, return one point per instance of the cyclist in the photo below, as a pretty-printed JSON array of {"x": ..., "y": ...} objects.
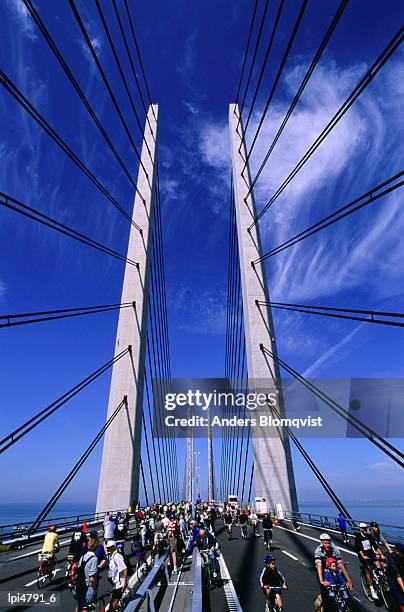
[
  {"x": 87, "y": 578},
  {"x": 267, "y": 526},
  {"x": 368, "y": 555},
  {"x": 272, "y": 582},
  {"x": 228, "y": 522},
  {"x": 93, "y": 543},
  {"x": 243, "y": 520},
  {"x": 379, "y": 537},
  {"x": 77, "y": 543},
  {"x": 324, "y": 551},
  {"x": 51, "y": 546},
  {"x": 172, "y": 538},
  {"x": 333, "y": 577},
  {"x": 117, "y": 574},
  {"x": 207, "y": 545},
  {"x": 395, "y": 573},
  {"x": 253, "y": 520}
]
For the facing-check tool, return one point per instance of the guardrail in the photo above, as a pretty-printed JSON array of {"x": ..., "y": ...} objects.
[
  {"x": 322, "y": 521},
  {"x": 22, "y": 530},
  {"x": 145, "y": 591},
  {"x": 196, "y": 605}
]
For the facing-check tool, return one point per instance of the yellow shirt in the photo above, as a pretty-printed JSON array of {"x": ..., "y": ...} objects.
[{"x": 49, "y": 544}]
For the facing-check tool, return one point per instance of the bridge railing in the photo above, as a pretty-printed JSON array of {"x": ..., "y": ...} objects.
[
  {"x": 323, "y": 521},
  {"x": 17, "y": 531}
]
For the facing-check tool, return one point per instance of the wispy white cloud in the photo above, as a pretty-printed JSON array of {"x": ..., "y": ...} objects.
[
  {"x": 202, "y": 312},
  {"x": 191, "y": 107},
  {"x": 23, "y": 18},
  {"x": 383, "y": 466}
]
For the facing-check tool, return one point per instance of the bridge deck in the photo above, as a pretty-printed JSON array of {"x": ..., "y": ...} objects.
[{"x": 294, "y": 553}]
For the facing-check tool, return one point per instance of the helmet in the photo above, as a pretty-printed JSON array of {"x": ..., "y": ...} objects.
[
  {"x": 399, "y": 546},
  {"x": 269, "y": 558},
  {"x": 52, "y": 528},
  {"x": 325, "y": 536},
  {"x": 363, "y": 525},
  {"x": 329, "y": 561}
]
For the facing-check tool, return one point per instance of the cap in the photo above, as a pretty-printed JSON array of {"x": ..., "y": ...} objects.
[
  {"x": 269, "y": 558},
  {"x": 110, "y": 544},
  {"x": 93, "y": 533},
  {"x": 364, "y": 525},
  {"x": 374, "y": 524}
]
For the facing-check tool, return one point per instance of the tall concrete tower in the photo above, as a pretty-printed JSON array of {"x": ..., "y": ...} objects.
[
  {"x": 273, "y": 469},
  {"x": 119, "y": 476}
]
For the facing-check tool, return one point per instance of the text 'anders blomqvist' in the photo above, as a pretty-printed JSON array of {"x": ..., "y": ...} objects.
[{"x": 261, "y": 421}]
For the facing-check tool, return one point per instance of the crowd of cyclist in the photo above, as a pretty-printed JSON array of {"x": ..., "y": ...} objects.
[{"x": 179, "y": 528}]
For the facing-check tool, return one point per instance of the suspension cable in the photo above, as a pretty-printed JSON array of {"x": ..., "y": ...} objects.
[
  {"x": 45, "y": 125},
  {"x": 356, "y": 423},
  {"x": 59, "y": 56},
  {"x": 31, "y": 213},
  {"x": 247, "y": 48},
  {"x": 123, "y": 78},
  {"x": 253, "y": 59},
  {"x": 334, "y": 312},
  {"x": 106, "y": 83},
  {"x": 59, "y": 492},
  {"x": 302, "y": 86},
  {"x": 269, "y": 47},
  {"x": 34, "y": 421},
  {"x": 387, "y": 52},
  {"x": 369, "y": 197},
  {"x": 59, "y": 314}
]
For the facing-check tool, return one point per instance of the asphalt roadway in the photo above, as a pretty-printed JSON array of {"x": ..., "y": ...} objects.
[
  {"x": 241, "y": 565},
  {"x": 18, "y": 573},
  {"x": 244, "y": 560}
]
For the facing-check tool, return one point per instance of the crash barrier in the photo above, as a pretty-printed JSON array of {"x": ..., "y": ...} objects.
[
  {"x": 145, "y": 593},
  {"x": 197, "y": 580}
]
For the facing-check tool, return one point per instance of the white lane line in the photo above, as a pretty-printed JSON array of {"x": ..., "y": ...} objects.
[
  {"x": 34, "y": 581},
  {"x": 30, "y": 554},
  {"x": 303, "y": 535},
  {"x": 228, "y": 587},
  {"x": 285, "y": 552}
]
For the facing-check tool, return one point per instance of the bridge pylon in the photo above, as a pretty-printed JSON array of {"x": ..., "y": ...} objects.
[
  {"x": 120, "y": 466},
  {"x": 273, "y": 469}
]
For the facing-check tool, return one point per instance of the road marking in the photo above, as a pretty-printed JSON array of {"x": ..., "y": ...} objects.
[
  {"x": 228, "y": 587},
  {"x": 303, "y": 535},
  {"x": 285, "y": 552},
  {"x": 30, "y": 554},
  {"x": 36, "y": 579}
]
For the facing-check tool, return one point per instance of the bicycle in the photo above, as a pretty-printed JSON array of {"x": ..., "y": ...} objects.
[
  {"x": 267, "y": 538},
  {"x": 69, "y": 574},
  {"x": 141, "y": 566},
  {"x": 229, "y": 530},
  {"x": 271, "y": 604},
  {"x": 46, "y": 570},
  {"x": 243, "y": 528},
  {"x": 211, "y": 577},
  {"x": 339, "y": 599},
  {"x": 380, "y": 584}
]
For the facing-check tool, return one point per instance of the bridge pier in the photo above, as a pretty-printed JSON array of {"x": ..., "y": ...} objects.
[
  {"x": 273, "y": 469},
  {"x": 119, "y": 475}
]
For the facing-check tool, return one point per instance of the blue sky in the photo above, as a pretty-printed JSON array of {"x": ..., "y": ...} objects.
[{"x": 193, "y": 54}]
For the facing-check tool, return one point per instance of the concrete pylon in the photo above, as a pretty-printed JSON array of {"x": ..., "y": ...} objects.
[
  {"x": 119, "y": 476},
  {"x": 211, "y": 482},
  {"x": 273, "y": 469}
]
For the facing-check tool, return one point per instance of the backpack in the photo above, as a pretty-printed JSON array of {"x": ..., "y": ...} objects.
[{"x": 79, "y": 578}]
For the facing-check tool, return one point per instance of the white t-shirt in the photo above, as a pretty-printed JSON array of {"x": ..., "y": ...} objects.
[{"x": 116, "y": 567}]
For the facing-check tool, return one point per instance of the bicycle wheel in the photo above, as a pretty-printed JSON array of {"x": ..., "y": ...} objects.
[
  {"x": 40, "y": 581},
  {"x": 365, "y": 586},
  {"x": 140, "y": 569},
  {"x": 384, "y": 592}
]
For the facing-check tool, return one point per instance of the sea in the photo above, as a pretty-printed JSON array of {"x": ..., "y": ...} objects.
[{"x": 387, "y": 512}]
